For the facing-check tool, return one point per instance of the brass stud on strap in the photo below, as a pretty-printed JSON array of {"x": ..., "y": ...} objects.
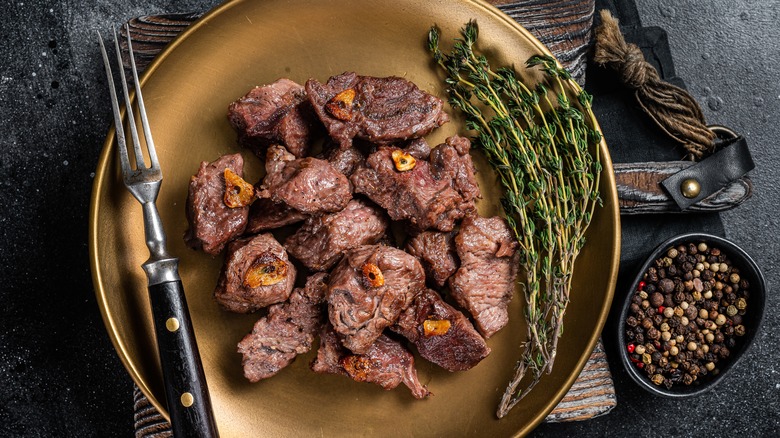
[
  {"x": 187, "y": 399},
  {"x": 690, "y": 188}
]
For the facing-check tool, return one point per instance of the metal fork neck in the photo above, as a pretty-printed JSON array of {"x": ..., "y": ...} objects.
[{"x": 161, "y": 266}]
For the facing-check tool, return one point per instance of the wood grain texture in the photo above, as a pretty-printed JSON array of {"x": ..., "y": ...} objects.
[
  {"x": 151, "y": 33},
  {"x": 592, "y": 394},
  {"x": 564, "y": 26}
]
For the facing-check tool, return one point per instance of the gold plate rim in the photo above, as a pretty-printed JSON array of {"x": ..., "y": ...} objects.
[{"x": 101, "y": 179}]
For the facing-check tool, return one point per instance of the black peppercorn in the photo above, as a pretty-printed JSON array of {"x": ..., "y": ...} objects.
[
  {"x": 653, "y": 333},
  {"x": 666, "y": 285}
]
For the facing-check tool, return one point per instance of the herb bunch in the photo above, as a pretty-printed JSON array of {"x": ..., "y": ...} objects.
[{"x": 542, "y": 143}]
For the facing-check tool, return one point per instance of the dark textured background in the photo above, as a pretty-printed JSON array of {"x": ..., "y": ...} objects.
[{"x": 59, "y": 375}]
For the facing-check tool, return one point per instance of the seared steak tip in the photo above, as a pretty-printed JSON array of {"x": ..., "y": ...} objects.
[
  {"x": 381, "y": 110},
  {"x": 452, "y": 161},
  {"x": 386, "y": 363},
  {"x": 275, "y": 113},
  {"x": 436, "y": 252},
  {"x": 256, "y": 274},
  {"x": 211, "y": 222},
  {"x": 417, "y": 196},
  {"x": 308, "y": 185},
  {"x": 485, "y": 282},
  {"x": 441, "y": 333},
  {"x": 359, "y": 307},
  {"x": 321, "y": 241},
  {"x": 287, "y": 331}
]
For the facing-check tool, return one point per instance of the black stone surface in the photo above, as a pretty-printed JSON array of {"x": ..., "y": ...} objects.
[{"x": 59, "y": 374}]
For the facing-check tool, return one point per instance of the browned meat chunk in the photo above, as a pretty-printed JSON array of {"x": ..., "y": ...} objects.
[
  {"x": 414, "y": 195},
  {"x": 441, "y": 334},
  {"x": 212, "y": 223},
  {"x": 381, "y": 110},
  {"x": 345, "y": 160},
  {"x": 368, "y": 290},
  {"x": 436, "y": 252},
  {"x": 309, "y": 185},
  {"x": 418, "y": 148},
  {"x": 287, "y": 331},
  {"x": 452, "y": 161},
  {"x": 485, "y": 282},
  {"x": 386, "y": 363},
  {"x": 264, "y": 215},
  {"x": 256, "y": 274},
  {"x": 321, "y": 241},
  {"x": 278, "y": 112}
]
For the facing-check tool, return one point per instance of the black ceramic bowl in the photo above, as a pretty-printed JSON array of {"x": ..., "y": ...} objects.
[{"x": 751, "y": 320}]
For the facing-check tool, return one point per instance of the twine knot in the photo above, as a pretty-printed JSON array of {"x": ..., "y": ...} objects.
[
  {"x": 634, "y": 70},
  {"x": 674, "y": 110}
]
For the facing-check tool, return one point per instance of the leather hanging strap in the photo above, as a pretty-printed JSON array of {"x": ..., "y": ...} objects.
[{"x": 731, "y": 161}]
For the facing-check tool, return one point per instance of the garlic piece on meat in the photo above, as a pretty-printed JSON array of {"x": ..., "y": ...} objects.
[
  {"x": 266, "y": 271},
  {"x": 403, "y": 161},
  {"x": 357, "y": 367},
  {"x": 340, "y": 106},
  {"x": 238, "y": 193},
  {"x": 372, "y": 276},
  {"x": 436, "y": 327}
]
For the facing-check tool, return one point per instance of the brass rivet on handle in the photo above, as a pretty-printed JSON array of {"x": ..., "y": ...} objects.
[
  {"x": 187, "y": 399},
  {"x": 172, "y": 324},
  {"x": 690, "y": 188}
]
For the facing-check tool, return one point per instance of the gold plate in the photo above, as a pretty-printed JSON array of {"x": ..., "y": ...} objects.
[{"x": 187, "y": 91}]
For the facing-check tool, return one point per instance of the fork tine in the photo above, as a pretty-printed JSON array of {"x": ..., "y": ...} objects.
[
  {"x": 139, "y": 156},
  {"x": 140, "y": 100},
  {"x": 120, "y": 132}
]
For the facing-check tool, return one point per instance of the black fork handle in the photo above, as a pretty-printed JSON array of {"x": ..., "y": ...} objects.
[{"x": 186, "y": 391}]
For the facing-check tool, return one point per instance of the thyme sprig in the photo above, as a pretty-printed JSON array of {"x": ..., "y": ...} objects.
[{"x": 542, "y": 143}]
